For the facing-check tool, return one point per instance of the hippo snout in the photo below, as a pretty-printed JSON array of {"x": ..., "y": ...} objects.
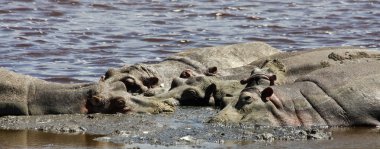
[
  {"x": 243, "y": 100},
  {"x": 246, "y": 98},
  {"x": 118, "y": 105}
]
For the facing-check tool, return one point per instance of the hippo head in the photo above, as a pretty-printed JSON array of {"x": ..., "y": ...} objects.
[
  {"x": 108, "y": 97},
  {"x": 253, "y": 102},
  {"x": 203, "y": 90},
  {"x": 254, "y": 105},
  {"x": 253, "y": 96},
  {"x": 260, "y": 77},
  {"x": 137, "y": 79},
  {"x": 112, "y": 96},
  {"x": 253, "y": 91},
  {"x": 211, "y": 71},
  {"x": 192, "y": 91}
]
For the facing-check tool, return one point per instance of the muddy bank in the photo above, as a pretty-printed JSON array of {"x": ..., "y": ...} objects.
[{"x": 186, "y": 126}]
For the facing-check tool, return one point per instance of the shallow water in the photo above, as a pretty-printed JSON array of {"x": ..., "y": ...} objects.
[
  {"x": 80, "y": 39},
  {"x": 342, "y": 138}
]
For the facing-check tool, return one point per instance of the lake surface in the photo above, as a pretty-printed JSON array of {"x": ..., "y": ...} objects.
[
  {"x": 78, "y": 40},
  {"x": 64, "y": 40}
]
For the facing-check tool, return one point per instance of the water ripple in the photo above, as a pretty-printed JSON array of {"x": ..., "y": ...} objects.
[{"x": 62, "y": 37}]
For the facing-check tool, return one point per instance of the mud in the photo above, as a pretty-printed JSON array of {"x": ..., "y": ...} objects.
[{"x": 187, "y": 126}]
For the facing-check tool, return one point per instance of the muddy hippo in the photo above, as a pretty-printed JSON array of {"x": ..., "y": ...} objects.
[
  {"x": 156, "y": 78},
  {"x": 345, "y": 94},
  {"x": 26, "y": 95}
]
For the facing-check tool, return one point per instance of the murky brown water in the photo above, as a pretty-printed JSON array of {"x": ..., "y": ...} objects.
[
  {"x": 347, "y": 138},
  {"x": 81, "y": 39},
  {"x": 34, "y": 139}
]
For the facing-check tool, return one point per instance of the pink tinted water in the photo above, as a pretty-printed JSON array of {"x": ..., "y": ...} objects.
[{"x": 71, "y": 40}]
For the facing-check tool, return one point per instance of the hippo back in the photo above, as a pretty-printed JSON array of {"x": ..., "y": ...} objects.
[
  {"x": 14, "y": 92},
  {"x": 355, "y": 87}
]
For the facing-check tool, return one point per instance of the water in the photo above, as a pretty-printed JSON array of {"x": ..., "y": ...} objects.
[
  {"x": 343, "y": 138},
  {"x": 73, "y": 40}
]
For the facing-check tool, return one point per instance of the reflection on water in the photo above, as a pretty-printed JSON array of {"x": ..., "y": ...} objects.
[
  {"x": 34, "y": 139},
  {"x": 342, "y": 138}
]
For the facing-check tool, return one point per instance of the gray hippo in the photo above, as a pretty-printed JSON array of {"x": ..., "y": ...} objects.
[
  {"x": 156, "y": 78},
  {"x": 344, "y": 90},
  {"x": 26, "y": 95},
  {"x": 289, "y": 66},
  {"x": 209, "y": 89},
  {"x": 200, "y": 91}
]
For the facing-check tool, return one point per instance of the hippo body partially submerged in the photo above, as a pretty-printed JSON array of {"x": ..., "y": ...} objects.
[
  {"x": 26, "y": 95},
  {"x": 346, "y": 92},
  {"x": 330, "y": 86},
  {"x": 289, "y": 66},
  {"x": 156, "y": 78}
]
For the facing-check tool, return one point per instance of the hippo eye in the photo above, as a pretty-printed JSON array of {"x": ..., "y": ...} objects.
[
  {"x": 131, "y": 85},
  {"x": 193, "y": 92},
  {"x": 248, "y": 99},
  {"x": 190, "y": 93},
  {"x": 130, "y": 80}
]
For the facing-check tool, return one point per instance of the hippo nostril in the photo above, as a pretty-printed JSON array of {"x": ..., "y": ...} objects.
[
  {"x": 229, "y": 95},
  {"x": 121, "y": 102},
  {"x": 96, "y": 100}
]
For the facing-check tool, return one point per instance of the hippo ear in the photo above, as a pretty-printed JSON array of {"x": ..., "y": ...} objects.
[
  {"x": 247, "y": 80},
  {"x": 110, "y": 72},
  {"x": 150, "y": 82},
  {"x": 186, "y": 74},
  {"x": 211, "y": 71},
  {"x": 272, "y": 79},
  {"x": 244, "y": 81},
  {"x": 267, "y": 92}
]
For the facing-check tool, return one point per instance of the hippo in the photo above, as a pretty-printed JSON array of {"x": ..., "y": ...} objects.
[
  {"x": 346, "y": 92},
  {"x": 155, "y": 78},
  {"x": 201, "y": 91},
  {"x": 289, "y": 66},
  {"x": 26, "y": 95}
]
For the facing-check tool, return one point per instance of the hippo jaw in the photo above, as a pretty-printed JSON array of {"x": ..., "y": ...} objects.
[
  {"x": 111, "y": 96},
  {"x": 110, "y": 106},
  {"x": 108, "y": 97}
]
